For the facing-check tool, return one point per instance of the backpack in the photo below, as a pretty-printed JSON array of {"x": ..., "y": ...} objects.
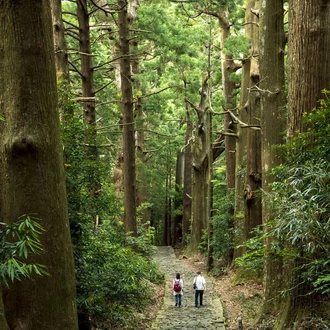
[{"x": 176, "y": 286}]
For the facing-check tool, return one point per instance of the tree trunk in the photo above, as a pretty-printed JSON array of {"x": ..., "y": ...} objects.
[
  {"x": 252, "y": 193},
  {"x": 201, "y": 168},
  {"x": 273, "y": 117},
  {"x": 3, "y": 322},
  {"x": 32, "y": 173},
  {"x": 242, "y": 140},
  {"x": 308, "y": 59},
  {"x": 227, "y": 68},
  {"x": 308, "y": 75},
  {"x": 230, "y": 128},
  {"x": 141, "y": 184},
  {"x": 177, "y": 218},
  {"x": 61, "y": 57},
  {"x": 187, "y": 181},
  {"x": 129, "y": 169},
  {"x": 89, "y": 111}
]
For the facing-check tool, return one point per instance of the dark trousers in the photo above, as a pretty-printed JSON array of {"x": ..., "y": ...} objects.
[{"x": 199, "y": 293}]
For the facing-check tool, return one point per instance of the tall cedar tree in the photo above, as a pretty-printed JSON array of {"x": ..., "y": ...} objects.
[
  {"x": 308, "y": 75},
  {"x": 129, "y": 168},
  {"x": 273, "y": 118},
  {"x": 253, "y": 216},
  {"x": 253, "y": 210},
  {"x": 32, "y": 174},
  {"x": 201, "y": 165}
]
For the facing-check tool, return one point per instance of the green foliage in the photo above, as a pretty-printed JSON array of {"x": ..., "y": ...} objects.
[
  {"x": 301, "y": 200},
  {"x": 204, "y": 244},
  {"x": 113, "y": 280},
  {"x": 19, "y": 240},
  {"x": 251, "y": 263},
  {"x": 143, "y": 242},
  {"x": 222, "y": 238}
]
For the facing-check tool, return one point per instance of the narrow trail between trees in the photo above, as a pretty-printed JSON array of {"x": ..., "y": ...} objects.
[{"x": 209, "y": 316}]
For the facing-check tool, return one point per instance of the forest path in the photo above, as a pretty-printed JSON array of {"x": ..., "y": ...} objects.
[{"x": 209, "y": 316}]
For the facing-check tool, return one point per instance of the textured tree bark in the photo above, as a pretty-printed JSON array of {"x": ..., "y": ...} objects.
[
  {"x": 32, "y": 173},
  {"x": 201, "y": 168},
  {"x": 227, "y": 68},
  {"x": 177, "y": 218},
  {"x": 61, "y": 56},
  {"x": 308, "y": 75},
  {"x": 141, "y": 183},
  {"x": 308, "y": 59},
  {"x": 129, "y": 168},
  {"x": 242, "y": 147},
  {"x": 89, "y": 109},
  {"x": 273, "y": 121},
  {"x": 187, "y": 181},
  {"x": 253, "y": 209}
]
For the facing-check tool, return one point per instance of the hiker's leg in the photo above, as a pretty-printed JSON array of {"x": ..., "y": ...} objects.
[
  {"x": 179, "y": 299},
  {"x": 176, "y": 299},
  {"x": 196, "y": 298},
  {"x": 201, "y": 297}
]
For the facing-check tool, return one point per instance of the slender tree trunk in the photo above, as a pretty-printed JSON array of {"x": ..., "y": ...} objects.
[
  {"x": 252, "y": 193},
  {"x": 187, "y": 181},
  {"x": 89, "y": 110},
  {"x": 141, "y": 184},
  {"x": 242, "y": 141},
  {"x": 32, "y": 174},
  {"x": 177, "y": 218},
  {"x": 167, "y": 219},
  {"x": 227, "y": 68},
  {"x": 61, "y": 57},
  {"x": 273, "y": 120},
  {"x": 129, "y": 168}
]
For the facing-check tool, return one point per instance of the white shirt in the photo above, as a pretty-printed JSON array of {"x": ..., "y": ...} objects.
[{"x": 200, "y": 282}]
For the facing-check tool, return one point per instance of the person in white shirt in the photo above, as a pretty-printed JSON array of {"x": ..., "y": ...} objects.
[
  {"x": 178, "y": 294},
  {"x": 200, "y": 287}
]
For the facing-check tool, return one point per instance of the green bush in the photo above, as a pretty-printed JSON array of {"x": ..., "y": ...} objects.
[
  {"x": 18, "y": 240},
  {"x": 251, "y": 263},
  {"x": 114, "y": 282},
  {"x": 301, "y": 200}
]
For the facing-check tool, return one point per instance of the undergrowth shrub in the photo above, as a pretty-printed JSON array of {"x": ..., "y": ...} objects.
[
  {"x": 114, "y": 282},
  {"x": 222, "y": 219},
  {"x": 251, "y": 263},
  {"x": 301, "y": 198},
  {"x": 19, "y": 240}
]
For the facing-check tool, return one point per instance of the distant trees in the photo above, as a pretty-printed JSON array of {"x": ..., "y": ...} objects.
[{"x": 32, "y": 173}]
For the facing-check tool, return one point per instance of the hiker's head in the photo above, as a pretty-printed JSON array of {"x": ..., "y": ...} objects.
[
  {"x": 177, "y": 275},
  {"x": 198, "y": 273}
]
